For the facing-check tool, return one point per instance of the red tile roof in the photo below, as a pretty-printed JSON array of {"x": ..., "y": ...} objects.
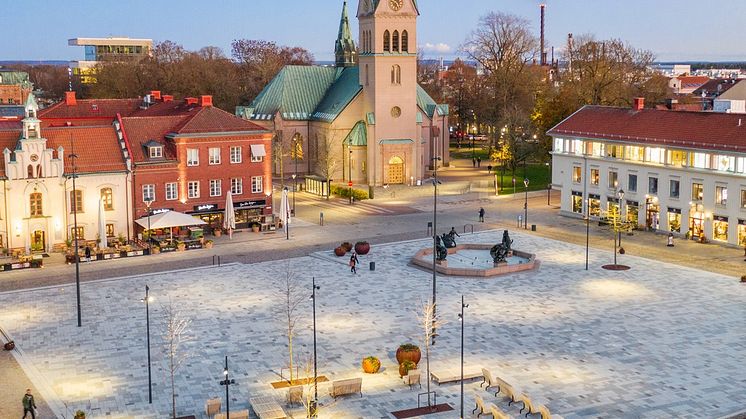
[
  {"x": 97, "y": 148},
  {"x": 691, "y": 107},
  {"x": 170, "y": 108},
  {"x": 693, "y": 81},
  {"x": 715, "y": 87},
  {"x": 695, "y": 130},
  {"x": 8, "y": 139},
  {"x": 91, "y": 108},
  {"x": 211, "y": 119},
  {"x": 140, "y": 130}
]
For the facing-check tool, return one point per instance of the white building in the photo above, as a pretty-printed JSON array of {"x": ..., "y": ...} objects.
[
  {"x": 683, "y": 172},
  {"x": 36, "y": 200}
]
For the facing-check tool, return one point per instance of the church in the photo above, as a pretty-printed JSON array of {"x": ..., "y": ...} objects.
[{"x": 364, "y": 120}]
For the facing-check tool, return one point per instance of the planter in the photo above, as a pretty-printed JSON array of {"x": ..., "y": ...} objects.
[
  {"x": 408, "y": 352},
  {"x": 371, "y": 365},
  {"x": 255, "y": 228},
  {"x": 347, "y": 246},
  {"x": 123, "y": 254},
  {"x": 405, "y": 366},
  {"x": 217, "y": 233},
  {"x": 181, "y": 247},
  {"x": 339, "y": 251},
  {"x": 208, "y": 245},
  {"x": 99, "y": 256},
  {"x": 362, "y": 248},
  {"x": 9, "y": 346}
]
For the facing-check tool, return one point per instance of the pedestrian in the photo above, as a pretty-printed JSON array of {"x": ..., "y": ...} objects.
[
  {"x": 481, "y": 215},
  {"x": 29, "y": 405},
  {"x": 489, "y": 169},
  {"x": 474, "y": 162},
  {"x": 453, "y": 232},
  {"x": 670, "y": 240},
  {"x": 353, "y": 263},
  {"x": 479, "y": 162},
  {"x": 87, "y": 253}
]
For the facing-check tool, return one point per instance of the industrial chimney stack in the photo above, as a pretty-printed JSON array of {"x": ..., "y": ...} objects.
[{"x": 543, "y": 54}]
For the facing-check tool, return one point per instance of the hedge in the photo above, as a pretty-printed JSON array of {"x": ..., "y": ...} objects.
[{"x": 344, "y": 192}]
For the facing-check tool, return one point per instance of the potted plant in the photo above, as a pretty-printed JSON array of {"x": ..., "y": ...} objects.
[
  {"x": 155, "y": 250},
  {"x": 180, "y": 246},
  {"x": 208, "y": 244},
  {"x": 371, "y": 365},
  {"x": 121, "y": 239},
  {"x": 217, "y": 231},
  {"x": 79, "y": 414},
  {"x": 339, "y": 251},
  {"x": 405, "y": 366},
  {"x": 9, "y": 346},
  {"x": 255, "y": 226},
  {"x": 408, "y": 352},
  {"x": 362, "y": 248},
  {"x": 347, "y": 246}
]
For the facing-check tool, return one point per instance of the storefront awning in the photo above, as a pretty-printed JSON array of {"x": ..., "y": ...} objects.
[
  {"x": 169, "y": 219},
  {"x": 257, "y": 150}
]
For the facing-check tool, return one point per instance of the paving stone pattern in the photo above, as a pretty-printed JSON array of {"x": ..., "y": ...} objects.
[{"x": 655, "y": 341}]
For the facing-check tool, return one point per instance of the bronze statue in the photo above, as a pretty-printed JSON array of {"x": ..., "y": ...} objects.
[
  {"x": 499, "y": 253},
  {"x": 507, "y": 241},
  {"x": 441, "y": 251},
  {"x": 448, "y": 240}
]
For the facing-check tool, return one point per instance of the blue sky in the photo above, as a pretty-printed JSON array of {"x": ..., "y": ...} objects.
[{"x": 673, "y": 30}]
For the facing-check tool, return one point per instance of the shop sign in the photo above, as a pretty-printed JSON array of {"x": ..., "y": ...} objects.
[
  {"x": 259, "y": 203},
  {"x": 576, "y": 193},
  {"x": 720, "y": 218},
  {"x": 742, "y": 222},
  {"x": 675, "y": 210},
  {"x": 205, "y": 207},
  {"x": 594, "y": 196},
  {"x": 633, "y": 203},
  {"x": 160, "y": 210}
]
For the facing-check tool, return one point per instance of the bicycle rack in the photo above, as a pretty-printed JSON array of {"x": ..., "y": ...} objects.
[
  {"x": 470, "y": 226},
  {"x": 435, "y": 395}
]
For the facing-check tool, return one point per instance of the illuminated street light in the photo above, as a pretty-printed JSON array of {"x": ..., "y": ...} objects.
[
  {"x": 435, "y": 235},
  {"x": 314, "y": 403},
  {"x": 227, "y": 382},
  {"x": 147, "y": 301},
  {"x": 525, "y": 204},
  {"x": 461, "y": 320}
]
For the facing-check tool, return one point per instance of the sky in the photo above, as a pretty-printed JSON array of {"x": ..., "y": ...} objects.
[{"x": 673, "y": 30}]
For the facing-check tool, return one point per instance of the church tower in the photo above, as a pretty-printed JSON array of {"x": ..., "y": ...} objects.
[
  {"x": 345, "y": 53},
  {"x": 388, "y": 74}
]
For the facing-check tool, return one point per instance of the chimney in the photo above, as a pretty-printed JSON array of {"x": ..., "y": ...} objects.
[
  {"x": 168, "y": 98},
  {"x": 205, "y": 101},
  {"x": 191, "y": 100},
  {"x": 155, "y": 94},
  {"x": 542, "y": 54},
  {"x": 70, "y": 98},
  {"x": 639, "y": 104}
]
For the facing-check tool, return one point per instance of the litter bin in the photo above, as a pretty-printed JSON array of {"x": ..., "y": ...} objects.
[
  {"x": 533, "y": 227},
  {"x": 372, "y": 266}
]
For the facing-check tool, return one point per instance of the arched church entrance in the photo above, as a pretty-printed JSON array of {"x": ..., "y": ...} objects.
[{"x": 395, "y": 174}]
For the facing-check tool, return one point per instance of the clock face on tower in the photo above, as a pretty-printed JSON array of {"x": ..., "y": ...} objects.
[{"x": 395, "y": 5}]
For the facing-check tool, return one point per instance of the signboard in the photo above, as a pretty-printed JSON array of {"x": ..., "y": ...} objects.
[
  {"x": 349, "y": 183},
  {"x": 205, "y": 207},
  {"x": 720, "y": 218},
  {"x": 259, "y": 203},
  {"x": 160, "y": 210},
  {"x": 674, "y": 210}
]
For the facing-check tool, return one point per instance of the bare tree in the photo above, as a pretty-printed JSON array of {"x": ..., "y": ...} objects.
[
  {"x": 329, "y": 150},
  {"x": 292, "y": 295},
  {"x": 429, "y": 321},
  {"x": 279, "y": 151},
  {"x": 174, "y": 337}
]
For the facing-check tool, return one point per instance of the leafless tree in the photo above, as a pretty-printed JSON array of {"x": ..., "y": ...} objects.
[
  {"x": 328, "y": 160},
  {"x": 429, "y": 322},
  {"x": 174, "y": 336},
  {"x": 292, "y": 295}
]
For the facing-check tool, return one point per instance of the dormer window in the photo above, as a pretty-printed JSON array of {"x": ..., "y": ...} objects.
[{"x": 156, "y": 152}]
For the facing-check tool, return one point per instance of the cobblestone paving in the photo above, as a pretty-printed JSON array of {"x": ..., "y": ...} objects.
[{"x": 655, "y": 341}]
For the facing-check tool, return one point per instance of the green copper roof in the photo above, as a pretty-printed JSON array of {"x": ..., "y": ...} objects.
[
  {"x": 344, "y": 43},
  {"x": 14, "y": 77},
  {"x": 339, "y": 95},
  {"x": 358, "y": 136},
  {"x": 427, "y": 104}
]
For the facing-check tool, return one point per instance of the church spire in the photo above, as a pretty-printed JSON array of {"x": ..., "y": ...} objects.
[{"x": 345, "y": 53}]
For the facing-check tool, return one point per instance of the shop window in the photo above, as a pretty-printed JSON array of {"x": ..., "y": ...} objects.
[
  {"x": 110, "y": 230},
  {"x": 107, "y": 196},
  {"x": 595, "y": 176},
  {"x": 698, "y": 191},
  {"x": 35, "y": 205},
  {"x": 193, "y": 189},
  {"x": 632, "y": 183},
  {"x": 76, "y": 201},
  {"x": 720, "y": 228},
  {"x": 594, "y": 206},
  {"x": 653, "y": 185},
  {"x": 673, "y": 188},
  {"x": 674, "y": 221},
  {"x": 632, "y": 213},
  {"x": 577, "y": 176},
  {"x": 742, "y": 233},
  {"x": 721, "y": 195},
  {"x": 577, "y": 203}
]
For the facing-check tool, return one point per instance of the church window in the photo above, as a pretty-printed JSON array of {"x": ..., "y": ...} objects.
[
  {"x": 38, "y": 171},
  {"x": 395, "y": 40},
  {"x": 386, "y": 41},
  {"x": 35, "y": 205},
  {"x": 395, "y": 74},
  {"x": 30, "y": 172},
  {"x": 404, "y": 41}
]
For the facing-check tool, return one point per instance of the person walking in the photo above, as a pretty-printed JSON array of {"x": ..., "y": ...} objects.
[
  {"x": 474, "y": 162},
  {"x": 29, "y": 405},
  {"x": 87, "y": 253},
  {"x": 479, "y": 162},
  {"x": 481, "y": 215},
  {"x": 353, "y": 263}
]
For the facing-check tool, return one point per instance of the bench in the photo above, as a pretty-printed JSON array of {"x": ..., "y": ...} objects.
[
  {"x": 266, "y": 407},
  {"x": 348, "y": 386},
  {"x": 235, "y": 414},
  {"x": 450, "y": 376}
]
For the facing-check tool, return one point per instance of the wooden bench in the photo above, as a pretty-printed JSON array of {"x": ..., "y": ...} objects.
[
  {"x": 266, "y": 407},
  {"x": 235, "y": 414},
  {"x": 348, "y": 386},
  {"x": 450, "y": 376}
]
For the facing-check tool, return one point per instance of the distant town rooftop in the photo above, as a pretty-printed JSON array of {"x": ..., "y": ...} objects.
[{"x": 121, "y": 41}]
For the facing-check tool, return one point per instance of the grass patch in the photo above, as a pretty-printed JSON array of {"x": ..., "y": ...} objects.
[{"x": 537, "y": 174}]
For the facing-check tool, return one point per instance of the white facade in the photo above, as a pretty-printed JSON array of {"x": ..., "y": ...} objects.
[{"x": 687, "y": 191}]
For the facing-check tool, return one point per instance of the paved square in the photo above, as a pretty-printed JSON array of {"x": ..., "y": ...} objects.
[{"x": 655, "y": 341}]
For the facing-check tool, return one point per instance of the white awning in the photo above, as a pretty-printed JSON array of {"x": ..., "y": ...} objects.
[
  {"x": 169, "y": 219},
  {"x": 257, "y": 150}
]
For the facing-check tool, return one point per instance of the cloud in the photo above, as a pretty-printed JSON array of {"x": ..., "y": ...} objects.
[{"x": 440, "y": 48}]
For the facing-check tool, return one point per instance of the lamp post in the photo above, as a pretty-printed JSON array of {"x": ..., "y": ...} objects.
[
  {"x": 148, "y": 203},
  {"x": 435, "y": 235},
  {"x": 147, "y": 301},
  {"x": 461, "y": 320},
  {"x": 525, "y": 204},
  {"x": 74, "y": 157},
  {"x": 295, "y": 185},
  {"x": 312, "y": 408},
  {"x": 549, "y": 180},
  {"x": 227, "y": 382},
  {"x": 349, "y": 168},
  {"x": 620, "y": 195},
  {"x": 284, "y": 203},
  {"x": 587, "y": 209}
]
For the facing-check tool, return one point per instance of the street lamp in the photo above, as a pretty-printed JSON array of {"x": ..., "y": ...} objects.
[
  {"x": 147, "y": 301},
  {"x": 148, "y": 203},
  {"x": 620, "y": 195},
  {"x": 461, "y": 320},
  {"x": 74, "y": 157},
  {"x": 435, "y": 234},
  {"x": 284, "y": 203},
  {"x": 295, "y": 185},
  {"x": 549, "y": 180},
  {"x": 227, "y": 382},
  {"x": 349, "y": 165},
  {"x": 314, "y": 402},
  {"x": 525, "y": 204}
]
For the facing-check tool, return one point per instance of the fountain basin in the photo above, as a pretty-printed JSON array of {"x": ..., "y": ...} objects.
[{"x": 471, "y": 259}]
